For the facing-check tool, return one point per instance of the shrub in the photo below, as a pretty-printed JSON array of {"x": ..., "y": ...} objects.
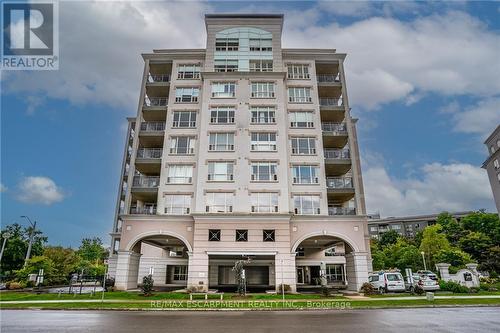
[
  {"x": 15, "y": 285},
  {"x": 367, "y": 289},
  {"x": 325, "y": 291},
  {"x": 286, "y": 288},
  {"x": 453, "y": 286},
  {"x": 147, "y": 285}
]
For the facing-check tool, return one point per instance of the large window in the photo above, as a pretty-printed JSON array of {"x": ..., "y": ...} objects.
[
  {"x": 305, "y": 174},
  {"x": 187, "y": 95},
  {"x": 188, "y": 71},
  {"x": 263, "y": 89},
  {"x": 260, "y": 45},
  {"x": 263, "y": 202},
  {"x": 303, "y": 146},
  {"x": 264, "y": 171},
  {"x": 177, "y": 204},
  {"x": 226, "y": 65},
  {"x": 299, "y": 95},
  {"x": 334, "y": 273},
  {"x": 263, "y": 141},
  {"x": 220, "y": 171},
  {"x": 184, "y": 119},
  {"x": 263, "y": 114},
  {"x": 180, "y": 273},
  {"x": 182, "y": 145},
  {"x": 298, "y": 71},
  {"x": 306, "y": 204},
  {"x": 261, "y": 65},
  {"x": 221, "y": 142},
  {"x": 222, "y": 115},
  {"x": 219, "y": 202},
  {"x": 223, "y": 89},
  {"x": 226, "y": 44},
  {"x": 301, "y": 119},
  {"x": 180, "y": 174}
]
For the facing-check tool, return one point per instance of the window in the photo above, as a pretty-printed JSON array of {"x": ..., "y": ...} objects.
[
  {"x": 263, "y": 141},
  {"x": 187, "y": 95},
  {"x": 222, "y": 115},
  {"x": 496, "y": 164},
  {"x": 298, "y": 71},
  {"x": 180, "y": 273},
  {"x": 221, "y": 142},
  {"x": 220, "y": 171},
  {"x": 305, "y": 174},
  {"x": 214, "y": 235},
  {"x": 261, "y": 65},
  {"x": 226, "y": 44},
  {"x": 180, "y": 174},
  {"x": 268, "y": 235},
  {"x": 263, "y": 114},
  {"x": 260, "y": 45},
  {"x": 263, "y": 202},
  {"x": 334, "y": 273},
  {"x": 219, "y": 202},
  {"x": 300, "y": 252},
  {"x": 184, "y": 119},
  {"x": 264, "y": 171},
  {"x": 188, "y": 71},
  {"x": 223, "y": 89},
  {"x": 301, "y": 119},
  {"x": 226, "y": 65},
  {"x": 492, "y": 149},
  {"x": 306, "y": 204},
  {"x": 241, "y": 235},
  {"x": 177, "y": 204},
  {"x": 395, "y": 227},
  {"x": 176, "y": 251},
  {"x": 330, "y": 252},
  {"x": 263, "y": 89},
  {"x": 299, "y": 95},
  {"x": 303, "y": 146},
  {"x": 182, "y": 145},
  {"x": 375, "y": 229}
]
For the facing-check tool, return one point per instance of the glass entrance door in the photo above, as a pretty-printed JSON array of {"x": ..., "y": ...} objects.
[{"x": 300, "y": 275}]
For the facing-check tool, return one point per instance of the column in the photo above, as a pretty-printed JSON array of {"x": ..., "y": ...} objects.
[
  {"x": 127, "y": 270},
  {"x": 198, "y": 271},
  {"x": 356, "y": 270},
  {"x": 285, "y": 271}
]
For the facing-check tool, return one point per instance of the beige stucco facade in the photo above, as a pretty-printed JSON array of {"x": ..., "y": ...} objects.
[{"x": 241, "y": 150}]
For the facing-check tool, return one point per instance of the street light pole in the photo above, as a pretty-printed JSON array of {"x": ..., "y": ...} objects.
[
  {"x": 30, "y": 244},
  {"x": 5, "y": 236},
  {"x": 423, "y": 259}
]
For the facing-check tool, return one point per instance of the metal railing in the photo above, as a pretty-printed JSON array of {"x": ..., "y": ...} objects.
[
  {"x": 338, "y": 154},
  {"x": 220, "y": 147},
  {"x": 155, "y": 78},
  {"x": 148, "y": 209},
  {"x": 219, "y": 209},
  {"x": 146, "y": 181},
  {"x": 339, "y": 182},
  {"x": 179, "y": 180},
  {"x": 149, "y": 153},
  {"x": 177, "y": 210},
  {"x": 328, "y": 101},
  {"x": 153, "y": 126},
  {"x": 220, "y": 177},
  {"x": 334, "y": 128},
  {"x": 328, "y": 78},
  {"x": 297, "y": 99},
  {"x": 155, "y": 101},
  {"x": 341, "y": 211},
  {"x": 263, "y": 94}
]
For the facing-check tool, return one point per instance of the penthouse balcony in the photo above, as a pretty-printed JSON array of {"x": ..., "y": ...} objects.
[
  {"x": 335, "y": 211},
  {"x": 337, "y": 161},
  {"x": 340, "y": 189},
  {"x": 334, "y": 134}
]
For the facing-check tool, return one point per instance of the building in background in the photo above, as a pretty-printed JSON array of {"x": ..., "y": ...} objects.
[
  {"x": 492, "y": 164},
  {"x": 241, "y": 150},
  {"x": 406, "y": 226}
]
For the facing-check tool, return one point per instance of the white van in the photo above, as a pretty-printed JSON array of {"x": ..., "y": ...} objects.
[{"x": 387, "y": 281}]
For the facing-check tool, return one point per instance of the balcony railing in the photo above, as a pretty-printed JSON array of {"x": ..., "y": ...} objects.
[
  {"x": 220, "y": 177},
  {"x": 328, "y": 101},
  {"x": 341, "y": 211},
  {"x": 339, "y": 182},
  {"x": 220, "y": 147},
  {"x": 338, "y": 154},
  {"x": 157, "y": 78},
  {"x": 300, "y": 99},
  {"x": 153, "y": 126},
  {"x": 328, "y": 78},
  {"x": 179, "y": 180},
  {"x": 149, "y": 153},
  {"x": 263, "y": 94},
  {"x": 149, "y": 209},
  {"x": 219, "y": 209},
  {"x": 334, "y": 128},
  {"x": 155, "y": 101},
  {"x": 177, "y": 210},
  {"x": 146, "y": 181}
]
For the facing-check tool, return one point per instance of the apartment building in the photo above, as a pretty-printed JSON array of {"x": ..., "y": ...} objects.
[
  {"x": 492, "y": 164},
  {"x": 242, "y": 150}
]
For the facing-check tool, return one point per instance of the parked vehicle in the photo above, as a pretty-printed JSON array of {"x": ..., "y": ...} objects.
[
  {"x": 428, "y": 274},
  {"x": 387, "y": 281},
  {"x": 422, "y": 281}
]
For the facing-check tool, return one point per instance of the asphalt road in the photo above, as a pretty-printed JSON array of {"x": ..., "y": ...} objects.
[{"x": 387, "y": 320}]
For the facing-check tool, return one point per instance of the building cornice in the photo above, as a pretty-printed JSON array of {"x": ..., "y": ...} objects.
[
  {"x": 317, "y": 54},
  {"x": 157, "y": 218},
  {"x": 497, "y": 130},
  {"x": 174, "y": 54},
  {"x": 242, "y": 75},
  {"x": 490, "y": 158}
]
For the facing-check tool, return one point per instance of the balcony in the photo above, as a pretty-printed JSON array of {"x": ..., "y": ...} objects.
[
  {"x": 155, "y": 102},
  {"x": 148, "y": 160},
  {"x": 337, "y": 154},
  {"x": 300, "y": 99},
  {"x": 147, "y": 209},
  {"x": 152, "y": 133},
  {"x": 155, "y": 108},
  {"x": 329, "y": 102},
  {"x": 152, "y": 126},
  {"x": 149, "y": 153},
  {"x": 334, "y": 134},
  {"x": 158, "y": 78},
  {"x": 336, "y": 211},
  {"x": 339, "y": 183},
  {"x": 337, "y": 161},
  {"x": 329, "y": 79},
  {"x": 146, "y": 182},
  {"x": 340, "y": 189}
]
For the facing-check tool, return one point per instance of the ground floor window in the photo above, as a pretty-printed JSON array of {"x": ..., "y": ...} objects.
[
  {"x": 180, "y": 273},
  {"x": 335, "y": 273}
]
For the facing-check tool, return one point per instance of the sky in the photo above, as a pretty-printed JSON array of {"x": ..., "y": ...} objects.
[{"x": 422, "y": 78}]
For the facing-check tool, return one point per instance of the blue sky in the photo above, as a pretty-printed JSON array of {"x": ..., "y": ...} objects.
[{"x": 422, "y": 79}]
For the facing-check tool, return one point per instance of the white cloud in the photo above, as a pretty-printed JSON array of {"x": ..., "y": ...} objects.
[
  {"x": 451, "y": 187},
  {"x": 3, "y": 188},
  {"x": 39, "y": 190},
  {"x": 482, "y": 118}
]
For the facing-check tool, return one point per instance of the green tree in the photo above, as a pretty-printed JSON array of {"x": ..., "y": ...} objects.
[
  {"x": 487, "y": 223},
  {"x": 433, "y": 241},
  {"x": 451, "y": 227},
  {"x": 389, "y": 237},
  {"x": 453, "y": 256},
  {"x": 34, "y": 265},
  {"x": 491, "y": 263},
  {"x": 65, "y": 260},
  {"x": 92, "y": 250},
  {"x": 476, "y": 244}
]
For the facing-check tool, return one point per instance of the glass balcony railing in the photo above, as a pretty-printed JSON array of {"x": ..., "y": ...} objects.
[
  {"x": 153, "y": 126},
  {"x": 328, "y": 78},
  {"x": 339, "y": 183},
  {"x": 327, "y": 101},
  {"x": 146, "y": 181},
  {"x": 158, "y": 78},
  {"x": 149, "y": 153},
  {"x": 334, "y": 128},
  {"x": 341, "y": 211},
  {"x": 338, "y": 154},
  {"x": 147, "y": 209},
  {"x": 155, "y": 101}
]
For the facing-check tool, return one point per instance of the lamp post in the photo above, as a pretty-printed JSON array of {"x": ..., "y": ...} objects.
[
  {"x": 32, "y": 235},
  {"x": 423, "y": 259},
  {"x": 5, "y": 236}
]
